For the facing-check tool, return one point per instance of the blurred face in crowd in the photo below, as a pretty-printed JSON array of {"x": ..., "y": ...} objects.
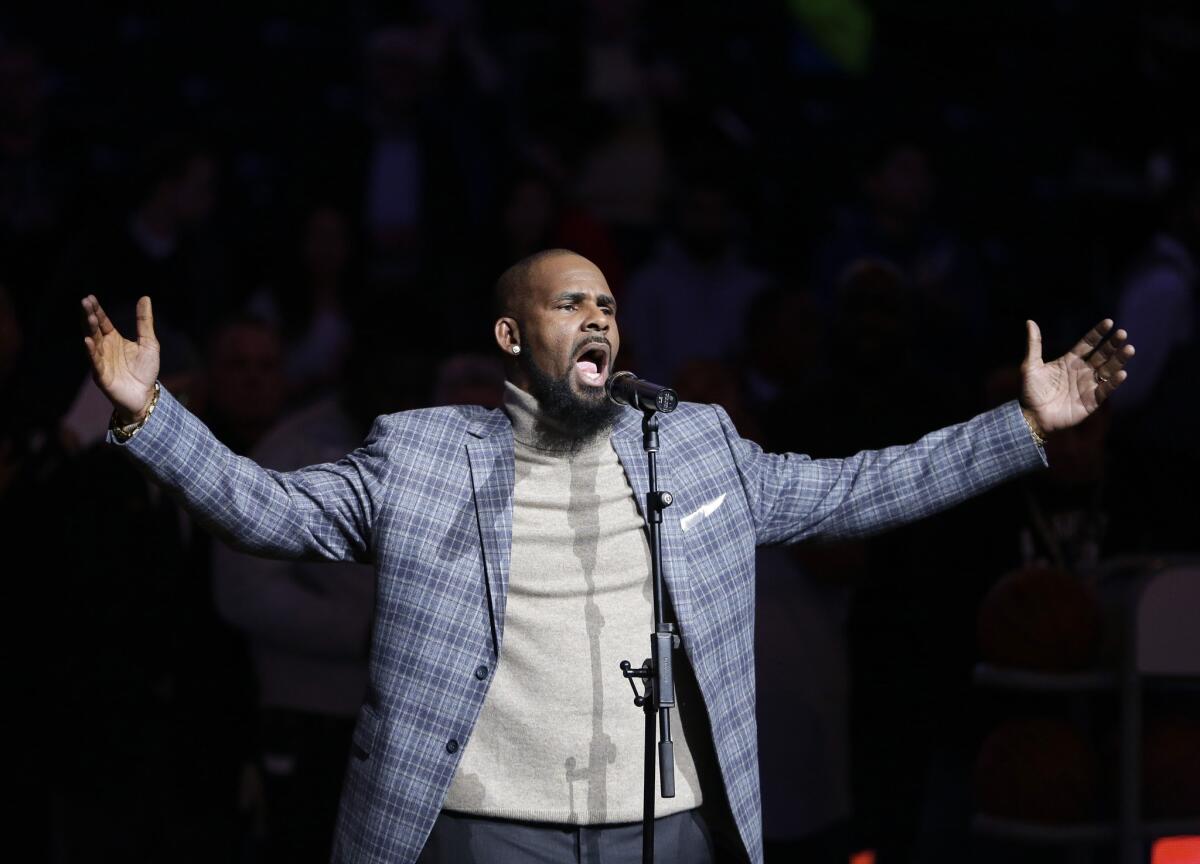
[
  {"x": 402, "y": 66},
  {"x": 527, "y": 215},
  {"x": 326, "y": 242},
  {"x": 704, "y": 222},
  {"x": 194, "y": 191},
  {"x": 246, "y": 382},
  {"x": 615, "y": 17},
  {"x": 785, "y": 342},
  {"x": 566, "y": 324},
  {"x": 470, "y": 379},
  {"x": 22, "y": 88},
  {"x": 873, "y": 314},
  {"x": 902, "y": 187}
]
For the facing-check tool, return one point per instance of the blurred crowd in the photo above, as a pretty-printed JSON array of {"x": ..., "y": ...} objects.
[{"x": 832, "y": 218}]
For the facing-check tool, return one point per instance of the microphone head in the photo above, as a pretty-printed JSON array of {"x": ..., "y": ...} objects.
[
  {"x": 666, "y": 400},
  {"x": 612, "y": 380},
  {"x": 624, "y": 388}
]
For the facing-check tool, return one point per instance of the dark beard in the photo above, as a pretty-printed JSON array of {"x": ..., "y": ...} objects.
[{"x": 574, "y": 418}]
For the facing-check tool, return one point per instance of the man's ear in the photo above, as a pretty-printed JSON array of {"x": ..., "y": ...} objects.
[{"x": 508, "y": 334}]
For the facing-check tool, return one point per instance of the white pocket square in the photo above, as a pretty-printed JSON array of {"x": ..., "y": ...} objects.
[{"x": 702, "y": 511}]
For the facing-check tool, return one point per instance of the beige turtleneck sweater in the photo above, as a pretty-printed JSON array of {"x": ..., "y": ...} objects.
[{"x": 558, "y": 738}]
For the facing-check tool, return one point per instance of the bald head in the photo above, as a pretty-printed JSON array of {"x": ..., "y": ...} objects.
[{"x": 512, "y": 288}]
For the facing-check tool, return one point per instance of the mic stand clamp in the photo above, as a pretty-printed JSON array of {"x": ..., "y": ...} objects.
[{"x": 657, "y": 672}]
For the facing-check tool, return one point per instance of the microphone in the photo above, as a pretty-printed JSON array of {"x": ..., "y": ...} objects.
[{"x": 625, "y": 388}]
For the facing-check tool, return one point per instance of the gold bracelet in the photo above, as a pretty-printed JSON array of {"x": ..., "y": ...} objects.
[
  {"x": 124, "y": 433},
  {"x": 1037, "y": 439}
]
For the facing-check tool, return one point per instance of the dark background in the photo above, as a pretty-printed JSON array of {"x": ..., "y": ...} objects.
[{"x": 833, "y": 218}]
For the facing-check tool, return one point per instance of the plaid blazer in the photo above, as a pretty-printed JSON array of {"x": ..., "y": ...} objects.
[{"x": 428, "y": 499}]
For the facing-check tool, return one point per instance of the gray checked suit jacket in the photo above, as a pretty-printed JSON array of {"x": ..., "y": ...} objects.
[{"x": 428, "y": 499}]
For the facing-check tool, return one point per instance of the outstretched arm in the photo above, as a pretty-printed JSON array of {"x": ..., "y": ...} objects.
[
  {"x": 323, "y": 511},
  {"x": 793, "y": 497}
]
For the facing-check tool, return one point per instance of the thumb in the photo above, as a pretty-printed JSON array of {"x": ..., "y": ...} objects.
[
  {"x": 145, "y": 321},
  {"x": 1033, "y": 351}
]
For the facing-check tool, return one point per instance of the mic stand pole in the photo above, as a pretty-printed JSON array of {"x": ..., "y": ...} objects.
[{"x": 657, "y": 671}]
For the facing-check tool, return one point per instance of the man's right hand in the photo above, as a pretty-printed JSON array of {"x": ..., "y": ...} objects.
[{"x": 125, "y": 371}]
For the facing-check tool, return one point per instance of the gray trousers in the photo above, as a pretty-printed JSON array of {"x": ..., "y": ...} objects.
[{"x": 461, "y": 839}]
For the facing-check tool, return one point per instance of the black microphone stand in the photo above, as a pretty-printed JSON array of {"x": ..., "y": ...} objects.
[{"x": 657, "y": 671}]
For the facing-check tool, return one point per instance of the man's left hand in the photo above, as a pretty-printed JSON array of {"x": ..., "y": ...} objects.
[{"x": 1065, "y": 391}]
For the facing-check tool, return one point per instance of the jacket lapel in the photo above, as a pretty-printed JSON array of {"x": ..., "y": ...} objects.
[{"x": 491, "y": 458}]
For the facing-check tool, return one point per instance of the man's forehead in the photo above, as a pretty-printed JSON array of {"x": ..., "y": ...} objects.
[{"x": 563, "y": 273}]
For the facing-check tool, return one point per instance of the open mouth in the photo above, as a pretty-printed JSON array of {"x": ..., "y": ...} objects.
[{"x": 592, "y": 364}]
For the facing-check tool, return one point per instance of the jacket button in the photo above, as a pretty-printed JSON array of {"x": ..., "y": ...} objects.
[
  {"x": 481, "y": 672},
  {"x": 451, "y": 746}
]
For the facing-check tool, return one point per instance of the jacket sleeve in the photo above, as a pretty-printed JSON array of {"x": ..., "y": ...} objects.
[
  {"x": 320, "y": 512},
  {"x": 792, "y": 497}
]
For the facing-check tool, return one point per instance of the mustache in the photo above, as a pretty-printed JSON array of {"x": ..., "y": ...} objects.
[{"x": 591, "y": 340}]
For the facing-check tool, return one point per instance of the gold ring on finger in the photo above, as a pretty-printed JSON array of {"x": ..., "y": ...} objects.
[{"x": 1100, "y": 379}]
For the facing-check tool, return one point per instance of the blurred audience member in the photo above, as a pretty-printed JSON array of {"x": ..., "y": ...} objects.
[
  {"x": 623, "y": 176},
  {"x": 905, "y": 643},
  {"x": 37, "y": 177},
  {"x": 894, "y": 222},
  {"x": 161, "y": 248},
  {"x": 623, "y": 182},
  {"x": 1159, "y": 299},
  {"x": 617, "y": 51},
  {"x": 1059, "y": 518},
  {"x": 535, "y": 214},
  {"x": 690, "y": 301},
  {"x": 785, "y": 341},
  {"x": 308, "y": 624},
  {"x": 164, "y": 251},
  {"x": 164, "y": 684},
  {"x": 872, "y": 387},
  {"x": 800, "y": 642},
  {"x": 802, "y": 661},
  {"x": 137, "y": 653},
  {"x": 714, "y": 383},
  {"x": 28, "y": 193},
  {"x": 416, "y": 200},
  {"x": 1155, "y": 430},
  {"x": 1066, "y": 518},
  {"x": 470, "y": 379},
  {"x": 422, "y": 158},
  {"x": 244, "y": 385},
  {"x": 308, "y": 303}
]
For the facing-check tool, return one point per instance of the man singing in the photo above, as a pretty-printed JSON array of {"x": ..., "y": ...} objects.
[{"x": 514, "y": 573}]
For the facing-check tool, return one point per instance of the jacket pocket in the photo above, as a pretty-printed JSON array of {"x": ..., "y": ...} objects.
[{"x": 702, "y": 512}]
